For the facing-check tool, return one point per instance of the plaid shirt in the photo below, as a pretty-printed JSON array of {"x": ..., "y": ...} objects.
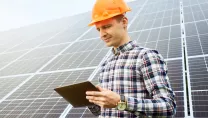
[{"x": 140, "y": 74}]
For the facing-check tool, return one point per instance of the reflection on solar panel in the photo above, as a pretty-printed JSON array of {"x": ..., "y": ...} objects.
[{"x": 37, "y": 58}]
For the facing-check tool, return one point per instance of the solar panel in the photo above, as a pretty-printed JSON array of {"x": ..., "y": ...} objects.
[
  {"x": 36, "y": 86},
  {"x": 36, "y": 108},
  {"x": 8, "y": 57},
  {"x": 34, "y": 42},
  {"x": 37, "y": 58},
  {"x": 7, "y": 84},
  {"x": 196, "y": 27}
]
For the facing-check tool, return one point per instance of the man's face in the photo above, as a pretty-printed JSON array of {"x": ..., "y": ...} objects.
[{"x": 111, "y": 31}]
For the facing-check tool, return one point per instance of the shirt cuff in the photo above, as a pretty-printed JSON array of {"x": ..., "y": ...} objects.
[
  {"x": 95, "y": 109},
  {"x": 135, "y": 106}
]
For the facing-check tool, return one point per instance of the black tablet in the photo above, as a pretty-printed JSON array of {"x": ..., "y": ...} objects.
[{"x": 76, "y": 94}]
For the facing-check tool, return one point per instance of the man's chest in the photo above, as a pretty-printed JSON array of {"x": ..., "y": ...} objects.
[
  {"x": 122, "y": 74},
  {"x": 124, "y": 67},
  {"x": 121, "y": 63}
]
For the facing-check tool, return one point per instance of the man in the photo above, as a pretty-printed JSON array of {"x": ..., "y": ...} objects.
[{"x": 133, "y": 80}]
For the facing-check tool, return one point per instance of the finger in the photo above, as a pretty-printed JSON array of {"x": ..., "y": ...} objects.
[
  {"x": 91, "y": 101},
  {"x": 102, "y": 99},
  {"x": 94, "y": 93},
  {"x": 98, "y": 103},
  {"x": 89, "y": 92},
  {"x": 100, "y": 89},
  {"x": 89, "y": 97}
]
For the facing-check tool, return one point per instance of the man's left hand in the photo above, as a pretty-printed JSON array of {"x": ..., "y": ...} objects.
[{"x": 104, "y": 97}]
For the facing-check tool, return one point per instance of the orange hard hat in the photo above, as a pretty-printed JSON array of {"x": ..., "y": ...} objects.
[{"x": 104, "y": 9}]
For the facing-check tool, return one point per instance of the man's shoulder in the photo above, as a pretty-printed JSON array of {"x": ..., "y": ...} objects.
[{"x": 143, "y": 50}]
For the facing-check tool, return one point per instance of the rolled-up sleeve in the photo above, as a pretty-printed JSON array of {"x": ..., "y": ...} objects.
[{"x": 154, "y": 72}]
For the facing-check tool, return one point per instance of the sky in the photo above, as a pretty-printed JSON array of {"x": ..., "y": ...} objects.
[{"x": 18, "y": 13}]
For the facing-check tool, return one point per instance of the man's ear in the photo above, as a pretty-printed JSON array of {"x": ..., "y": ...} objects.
[{"x": 125, "y": 21}]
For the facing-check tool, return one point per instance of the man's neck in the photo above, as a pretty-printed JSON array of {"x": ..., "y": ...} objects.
[{"x": 124, "y": 41}]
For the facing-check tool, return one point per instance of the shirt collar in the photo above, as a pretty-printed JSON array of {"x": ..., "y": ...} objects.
[{"x": 126, "y": 47}]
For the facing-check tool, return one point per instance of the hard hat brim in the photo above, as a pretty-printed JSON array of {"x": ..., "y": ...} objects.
[{"x": 110, "y": 16}]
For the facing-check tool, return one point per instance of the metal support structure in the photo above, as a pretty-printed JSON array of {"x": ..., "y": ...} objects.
[{"x": 186, "y": 77}]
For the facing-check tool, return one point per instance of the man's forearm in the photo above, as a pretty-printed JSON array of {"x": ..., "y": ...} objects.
[{"x": 162, "y": 106}]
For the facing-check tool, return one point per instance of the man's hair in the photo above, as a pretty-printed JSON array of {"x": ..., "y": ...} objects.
[{"x": 119, "y": 17}]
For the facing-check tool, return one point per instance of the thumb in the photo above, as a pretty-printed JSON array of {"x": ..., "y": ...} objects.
[{"x": 100, "y": 89}]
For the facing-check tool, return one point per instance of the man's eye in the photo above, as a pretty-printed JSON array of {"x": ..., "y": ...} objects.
[{"x": 108, "y": 26}]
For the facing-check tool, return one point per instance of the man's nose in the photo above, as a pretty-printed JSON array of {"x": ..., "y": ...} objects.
[{"x": 103, "y": 34}]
